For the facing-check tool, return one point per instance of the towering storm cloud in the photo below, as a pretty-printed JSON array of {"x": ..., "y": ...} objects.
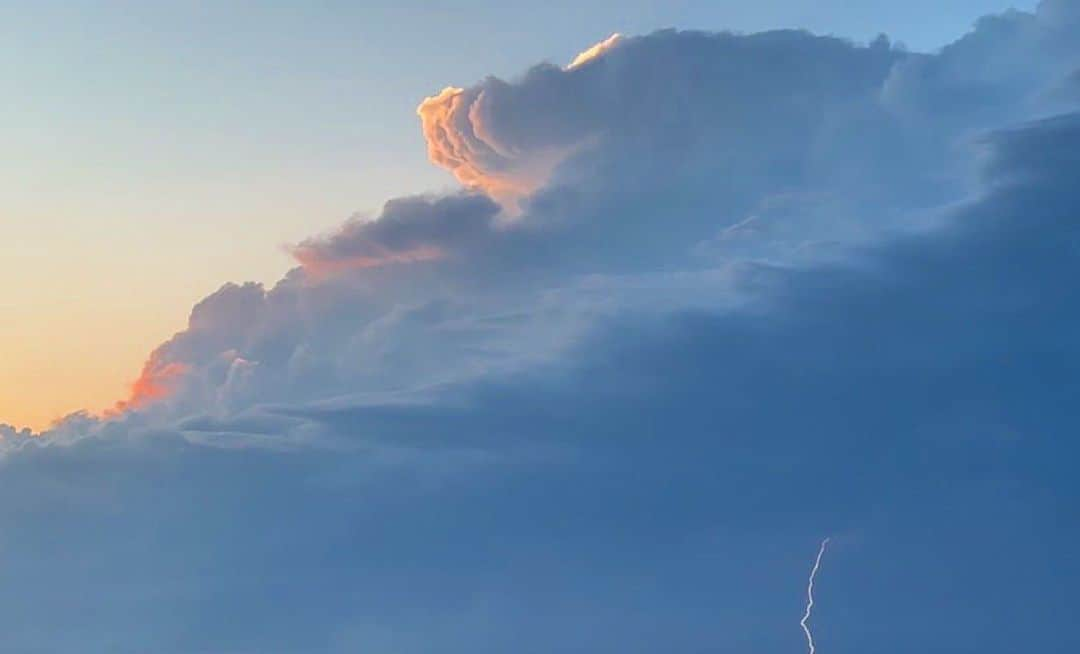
[
  {"x": 699, "y": 291},
  {"x": 725, "y": 157}
]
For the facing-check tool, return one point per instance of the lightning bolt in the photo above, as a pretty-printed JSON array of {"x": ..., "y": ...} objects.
[{"x": 810, "y": 596}]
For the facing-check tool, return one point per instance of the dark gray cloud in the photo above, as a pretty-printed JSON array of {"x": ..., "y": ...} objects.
[{"x": 673, "y": 467}]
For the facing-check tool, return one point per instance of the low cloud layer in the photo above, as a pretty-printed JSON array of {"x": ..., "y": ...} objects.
[{"x": 704, "y": 299}]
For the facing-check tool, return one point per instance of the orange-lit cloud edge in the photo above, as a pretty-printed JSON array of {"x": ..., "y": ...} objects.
[
  {"x": 319, "y": 267},
  {"x": 157, "y": 381},
  {"x": 475, "y": 155},
  {"x": 594, "y": 52}
]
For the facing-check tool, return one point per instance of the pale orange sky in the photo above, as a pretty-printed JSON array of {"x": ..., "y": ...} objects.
[
  {"x": 92, "y": 279},
  {"x": 59, "y": 359}
]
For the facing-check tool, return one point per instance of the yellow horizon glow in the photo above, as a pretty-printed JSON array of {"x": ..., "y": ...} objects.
[
  {"x": 87, "y": 292},
  {"x": 71, "y": 357},
  {"x": 103, "y": 263}
]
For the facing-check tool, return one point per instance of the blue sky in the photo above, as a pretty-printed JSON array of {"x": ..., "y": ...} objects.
[{"x": 627, "y": 341}]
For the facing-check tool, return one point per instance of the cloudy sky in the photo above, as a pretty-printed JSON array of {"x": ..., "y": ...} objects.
[
  {"x": 156, "y": 150},
  {"x": 457, "y": 327}
]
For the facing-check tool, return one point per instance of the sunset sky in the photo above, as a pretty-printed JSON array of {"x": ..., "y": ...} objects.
[
  {"x": 567, "y": 327},
  {"x": 157, "y": 150}
]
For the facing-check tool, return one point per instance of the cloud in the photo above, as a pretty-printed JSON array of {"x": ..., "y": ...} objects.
[
  {"x": 409, "y": 230},
  {"x": 699, "y": 165},
  {"x": 459, "y": 140},
  {"x": 157, "y": 381},
  {"x": 10, "y": 433},
  {"x": 674, "y": 95},
  {"x": 596, "y": 51},
  {"x": 673, "y": 464},
  {"x": 1005, "y": 69},
  {"x": 774, "y": 286}
]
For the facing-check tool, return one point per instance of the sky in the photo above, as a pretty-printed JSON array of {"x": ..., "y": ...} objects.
[
  {"x": 606, "y": 338},
  {"x": 144, "y": 136}
]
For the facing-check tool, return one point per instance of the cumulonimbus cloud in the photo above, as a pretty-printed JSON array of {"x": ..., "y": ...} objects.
[{"x": 689, "y": 135}]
